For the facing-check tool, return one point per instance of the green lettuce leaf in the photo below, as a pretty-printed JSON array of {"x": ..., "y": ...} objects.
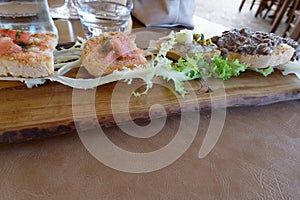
[
  {"x": 227, "y": 69},
  {"x": 192, "y": 67},
  {"x": 265, "y": 71}
]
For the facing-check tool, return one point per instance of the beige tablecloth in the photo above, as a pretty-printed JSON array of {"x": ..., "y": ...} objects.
[{"x": 257, "y": 157}]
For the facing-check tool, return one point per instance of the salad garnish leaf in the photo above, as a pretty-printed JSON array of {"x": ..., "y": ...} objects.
[
  {"x": 226, "y": 68},
  {"x": 265, "y": 72},
  {"x": 290, "y": 68}
]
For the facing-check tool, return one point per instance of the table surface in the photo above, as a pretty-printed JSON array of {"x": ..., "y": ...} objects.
[{"x": 257, "y": 156}]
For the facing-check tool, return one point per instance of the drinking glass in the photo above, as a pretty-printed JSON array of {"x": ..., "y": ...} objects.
[
  {"x": 99, "y": 16},
  {"x": 66, "y": 11},
  {"x": 31, "y": 16}
]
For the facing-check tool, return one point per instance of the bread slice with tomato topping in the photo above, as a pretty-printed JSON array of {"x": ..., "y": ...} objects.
[
  {"x": 26, "y": 55},
  {"x": 103, "y": 54}
]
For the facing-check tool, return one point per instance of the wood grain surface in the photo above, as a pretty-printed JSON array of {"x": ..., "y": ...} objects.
[{"x": 50, "y": 109}]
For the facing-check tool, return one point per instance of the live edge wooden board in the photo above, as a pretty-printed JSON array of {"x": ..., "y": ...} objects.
[
  {"x": 54, "y": 109},
  {"x": 49, "y": 109}
]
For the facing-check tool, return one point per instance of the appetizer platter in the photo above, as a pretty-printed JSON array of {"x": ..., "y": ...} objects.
[{"x": 38, "y": 83}]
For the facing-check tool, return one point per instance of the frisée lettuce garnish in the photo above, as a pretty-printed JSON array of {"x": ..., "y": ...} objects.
[
  {"x": 191, "y": 68},
  {"x": 290, "y": 68}
]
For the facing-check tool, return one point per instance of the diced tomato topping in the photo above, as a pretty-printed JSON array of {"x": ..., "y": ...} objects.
[
  {"x": 16, "y": 36},
  {"x": 136, "y": 55},
  {"x": 8, "y": 46},
  {"x": 24, "y": 37},
  {"x": 110, "y": 57},
  {"x": 122, "y": 46}
]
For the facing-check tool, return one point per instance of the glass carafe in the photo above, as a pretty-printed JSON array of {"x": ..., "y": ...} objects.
[{"x": 26, "y": 15}]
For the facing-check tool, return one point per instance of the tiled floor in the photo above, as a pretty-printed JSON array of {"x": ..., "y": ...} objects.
[{"x": 226, "y": 12}]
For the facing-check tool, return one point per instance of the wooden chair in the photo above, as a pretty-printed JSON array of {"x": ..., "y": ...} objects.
[
  {"x": 292, "y": 29},
  {"x": 242, "y": 5},
  {"x": 263, "y": 4},
  {"x": 275, "y": 6},
  {"x": 282, "y": 11}
]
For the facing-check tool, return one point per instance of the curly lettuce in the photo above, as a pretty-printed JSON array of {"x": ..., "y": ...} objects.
[
  {"x": 225, "y": 68},
  {"x": 290, "y": 68},
  {"x": 191, "y": 68}
]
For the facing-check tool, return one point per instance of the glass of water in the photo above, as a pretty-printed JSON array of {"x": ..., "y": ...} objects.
[
  {"x": 65, "y": 11},
  {"x": 30, "y": 15},
  {"x": 99, "y": 16}
]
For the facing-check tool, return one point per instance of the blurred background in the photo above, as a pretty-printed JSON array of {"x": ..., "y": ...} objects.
[{"x": 226, "y": 12}]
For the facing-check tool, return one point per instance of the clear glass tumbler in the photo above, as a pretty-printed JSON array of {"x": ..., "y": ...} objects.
[
  {"x": 99, "y": 16},
  {"x": 26, "y": 15},
  {"x": 65, "y": 11}
]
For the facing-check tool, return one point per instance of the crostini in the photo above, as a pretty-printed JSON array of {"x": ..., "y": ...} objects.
[
  {"x": 26, "y": 55},
  {"x": 103, "y": 54}
]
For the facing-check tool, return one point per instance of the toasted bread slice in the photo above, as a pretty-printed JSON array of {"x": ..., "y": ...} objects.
[
  {"x": 32, "y": 58},
  {"x": 256, "y": 49},
  {"x": 103, "y": 54},
  {"x": 281, "y": 55}
]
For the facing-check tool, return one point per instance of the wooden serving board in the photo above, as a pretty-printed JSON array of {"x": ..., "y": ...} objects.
[
  {"x": 53, "y": 108},
  {"x": 47, "y": 110}
]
